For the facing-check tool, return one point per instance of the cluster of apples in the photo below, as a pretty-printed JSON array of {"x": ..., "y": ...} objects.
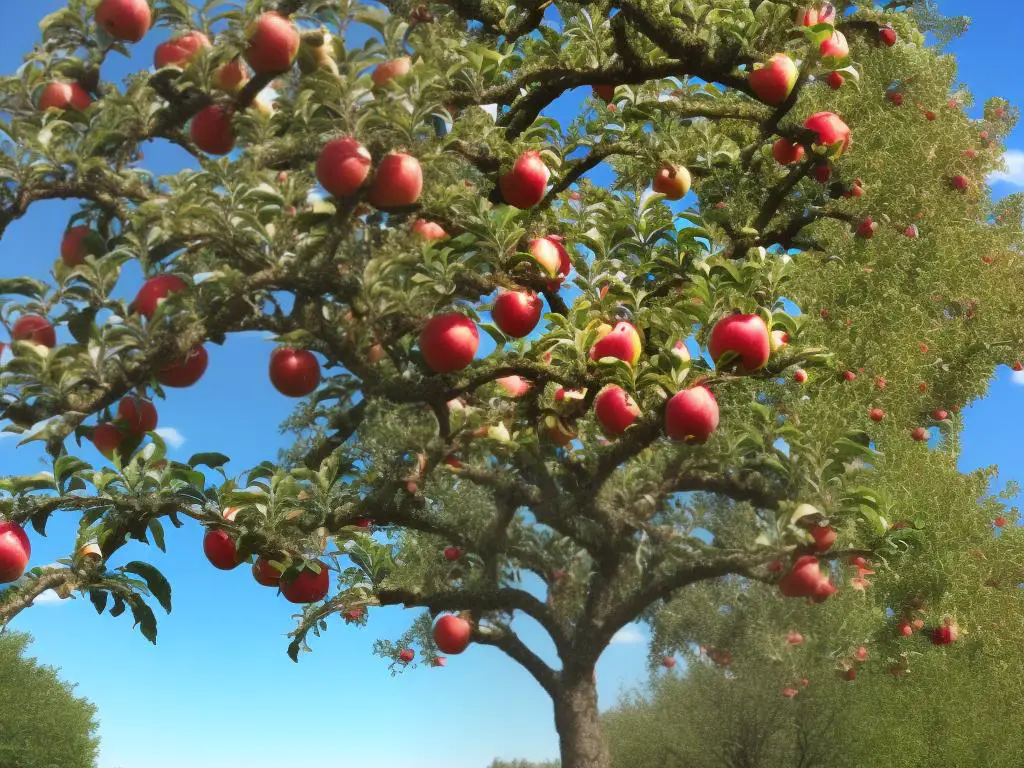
[{"x": 344, "y": 166}]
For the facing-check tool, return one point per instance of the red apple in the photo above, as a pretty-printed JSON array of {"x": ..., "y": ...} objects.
[
  {"x": 691, "y": 415},
  {"x": 397, "y": 183},
  {"x": 308, "y": 586},
  {"x": 272, "y": 44},
  {"x": 911, "y": 232},
  {"x": 850, "y": 674},
  {"x": 940, "y": 415},
  {"x": 887, "y": 35},
  {"x": 550, "y": 254},
  {"x": 78, "y": 242},
  {"x": 15, "y": 550},
  {"x": 58, "y": 95},
  {"x": 452, "y": 634},
  {"x": 139, "y": 415},
  {"x": 1000, "y": 522},
  {"x": 383, "y": 73},
  {"x": 515, "y": 386},
  {"x": 605, "y": 92},
  {"x": 231, "y": 76},
  {"x": 876, "y": 414},
  {"x": 407, "y": 655},
  {"x": 212, "y": 131},
  {"x": 615, "y": 409},
  {"x": 668, "y": 662},
  {"x": 294, "y": 372},
  {"x": 127, "y": 20},
  {"x": 517, "y": 313},
  {"x": 895, "y": 97},
  {"x": 107, "y": 438},
  {"x": 524, "y": 185},
  {"x": 745, "y": 336},
  {"x": 451, "y": 554},
  {"x": 947, "y": 634},
  {"x": 824, "y": 537},
  {"x": 672, "y": 181},
  {"x": 428, "y": 230},
  {"x": 34, "y": 328},
  {"x": 343, "y": 166},
  {"x": 154, "y": 290},
  {"x": 960, "y": 182},
  {"x": 834, "y": 47},
  {"x": 185, "y": 373},
  {"x": 811, "y": 17},
  {"x": 220, "y": 550},
  {"x": 180, "y": 50},
  {"x": 866, "y": 229},
  {"x": 802, "y": 579},
  {"x": 265, "y": 574},
  {"x": 787, "y": 152},
  {"x": 449, "y": 342},
  {"x": 794, "y": 637},
  {"x": 836, "y": 80},
  {"x": 905, "y": 629},
  {"x": 800, "y": 376},
  {"x": 789, "y": 693},
  {"x": 920, "y": 434},
  {"x": 849, "y": 376},
  {"x": 774, "y": 81},
  {"x": 622, "y": 342},
  {"x": 830, "y": 129}
]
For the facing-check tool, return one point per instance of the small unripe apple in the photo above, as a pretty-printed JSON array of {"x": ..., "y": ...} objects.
[
  {"x": 745, "y": 336},
  {"x": 774, "y": 81},
  {"x": 15, "y": 551},
  {"x": 397, "y": 183},
  {"x": 452, "y": 634},
  {"x": 524, "y": 186},
  {"x": 887, "y": 35},
  {"x": 691, "y": 415},
  {"x": 343, "y": 166},
  {"x": 212, "y": 130},
  {"x": 876, "y": 414},
  {"x": 615, "y": 410},
  {"x": 517, "y": 313},
  {"x": 672, "y": 181},
  {"x": 383, "y": 73},
  {"x": 778, "y": 340},
  {"x": 127, "y": 20},
  {"x": 139, "y": 415},
  {"x": 830, "y": 129},
  {"x": 449, "y": 342},
  {"x": 35, "y": 329},
  {"x": 59, "y": 95},
  {"x": 836, "y": 80},
  {"x": 272, "y": 44},
  {"x": 78, "y": 243},
  {"x": 154, "y": 290},
  {"x": 428, "y": 230},
  {"x": 834, "y": 47},
  {"x": 179, "y": 51},
  {"x": 308, "y": 586},
  {"x": 622, "y": 342},
  {"x": 787, "y": 152},
  {"x": 184, "y": 373},
  {"x": 294, "y": 372},
  {"x": 220, "y": 550}
]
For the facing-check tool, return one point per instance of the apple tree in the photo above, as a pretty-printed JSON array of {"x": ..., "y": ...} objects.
[{"x": 759, "y": 223}]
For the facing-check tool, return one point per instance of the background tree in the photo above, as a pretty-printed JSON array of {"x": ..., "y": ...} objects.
[
  {"x": 42, "y": 722},
  {"x": 549, "y": 478}
]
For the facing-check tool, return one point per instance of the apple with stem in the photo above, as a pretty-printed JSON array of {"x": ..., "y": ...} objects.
[
  {"x": 272, "y": 43},
  {"x": 294, "y": 372}
]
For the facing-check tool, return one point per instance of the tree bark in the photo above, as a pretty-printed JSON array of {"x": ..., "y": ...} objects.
[{"x": 579, "y": 726}]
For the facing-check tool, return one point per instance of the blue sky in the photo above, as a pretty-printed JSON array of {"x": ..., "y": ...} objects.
[{"x": 218, "y": 689}]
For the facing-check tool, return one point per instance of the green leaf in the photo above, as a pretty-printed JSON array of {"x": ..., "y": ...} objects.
[
  {"x": 99, "y": 599},
  {"x": 144, "y": 620},
  {"x": 211, "y": 460},
  {"x": 23, "y": 286},
  {"x": 155, "y": 580}
]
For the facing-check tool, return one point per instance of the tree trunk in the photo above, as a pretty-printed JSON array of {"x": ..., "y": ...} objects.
[{"x": 579, "y": 727}]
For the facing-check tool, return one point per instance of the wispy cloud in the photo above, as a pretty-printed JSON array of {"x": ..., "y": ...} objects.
[
  {"x": 1017, "y": 377},
  {"x": 1014, "y": 171},
  {"x": 171, "y": 436},
  {"x": 48, "y": 597},
  {"x": 629, "y": 635}
]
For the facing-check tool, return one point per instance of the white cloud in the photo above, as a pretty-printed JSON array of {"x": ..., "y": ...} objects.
[
  {"x": 171, "y": 436},
  {"x": 629, "y": 635},
  {"x": 47, "y": 597},
  {"x": 1014, "y": 173},
  {"x": 1017, "y": 377}
]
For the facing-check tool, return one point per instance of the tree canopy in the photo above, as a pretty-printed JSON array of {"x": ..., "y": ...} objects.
[
  {"x": 42, "y": 722},
  {"x": 701, "y": 381}
]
